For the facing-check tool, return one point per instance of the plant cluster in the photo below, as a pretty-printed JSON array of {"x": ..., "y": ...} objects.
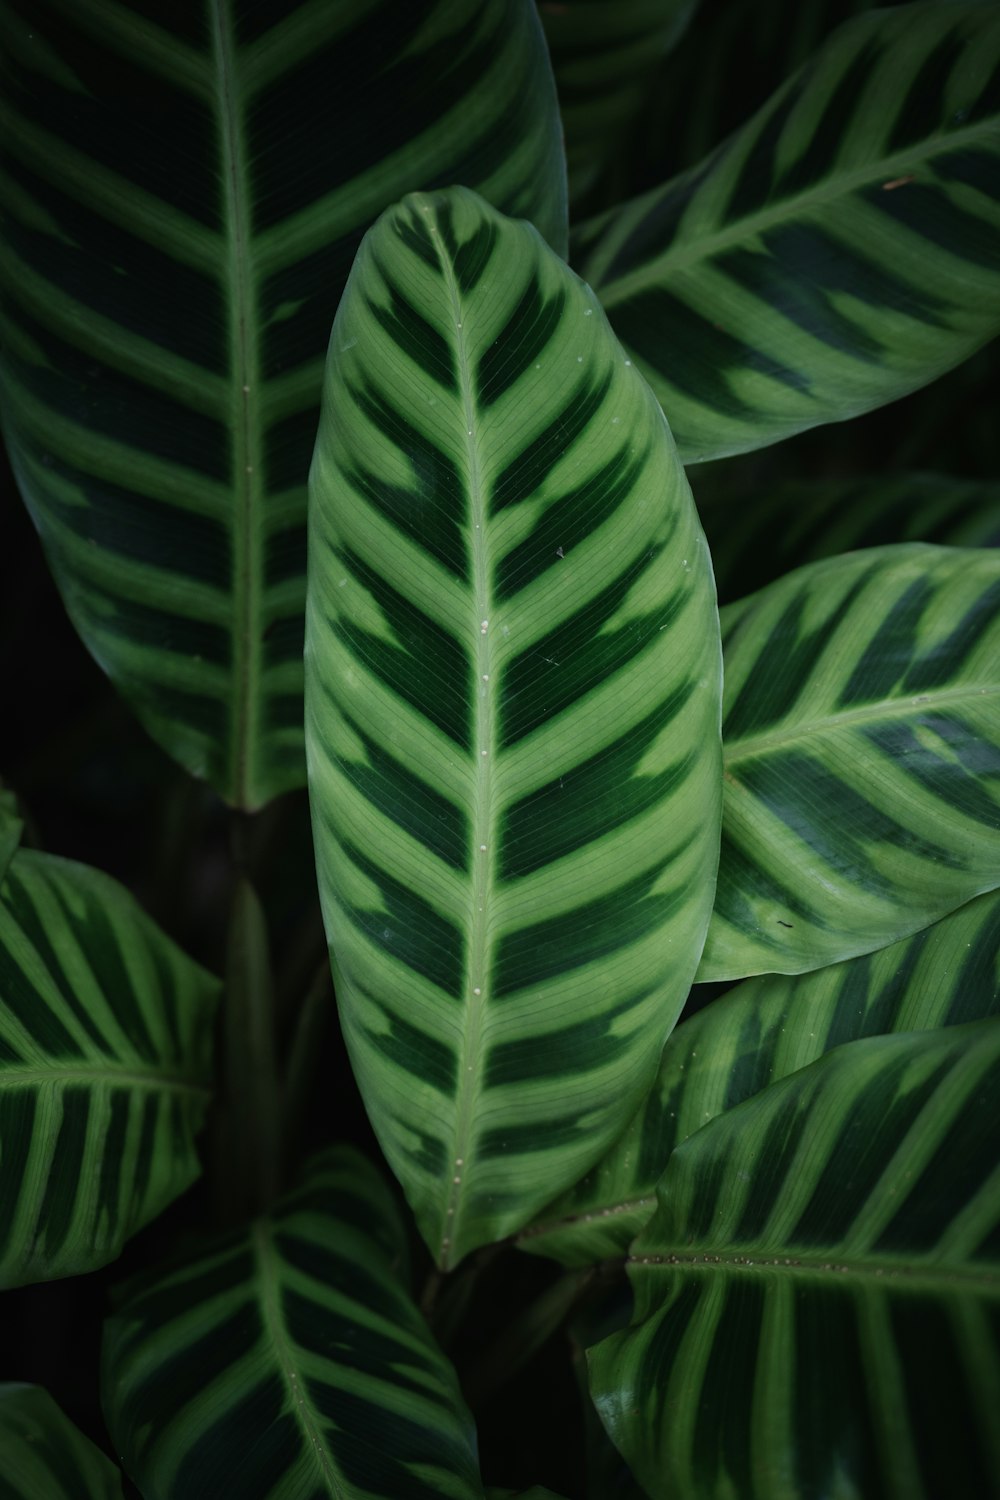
[{"x": 358, "y": 362}]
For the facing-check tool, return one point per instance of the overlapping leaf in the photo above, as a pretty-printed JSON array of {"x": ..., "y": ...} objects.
[
  {"x": 766, "y": 1028},
  {"x": 44, "y": 1457},
  {"x": 603, "y": 54},
  {"x": 287, "y": 1360},
  {"x": 862, "y": 749},
  {"x": 182, "y": 190},
  {"x": 761, "y": 535},
  {"x": 817, "y": 1294},
  {"x": 839, "y": 250},
  {"x": 512, "y": 679},
  {"x": 105, "y": 1068}
]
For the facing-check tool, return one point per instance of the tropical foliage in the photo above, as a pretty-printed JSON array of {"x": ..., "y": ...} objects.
[{"x": 652, "y": 1148}]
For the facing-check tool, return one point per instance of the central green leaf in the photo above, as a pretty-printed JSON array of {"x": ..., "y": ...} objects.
[{"x": 513, "y": 682}]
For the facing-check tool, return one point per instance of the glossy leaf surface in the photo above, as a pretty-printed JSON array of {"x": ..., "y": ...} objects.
[
  {"x": 512, "y": 697},
  {"x": 763, "y": 534},
  {"x": 105, "y": 1068},
  {"x": 288, "y": 1361},
  {"x": 44, "y": 1457},
  {"x": 182, "y": 190},
  {"x": 862, "y": 750},
  {"x": 817, "y": 1294},
  {"x": 603, "y": 55},
  {"x": 764, "y": 1029},
  {"x": 840, "y": 249}
]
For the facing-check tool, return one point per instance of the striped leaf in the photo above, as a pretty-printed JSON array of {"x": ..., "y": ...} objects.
[
  {"x": 286, "y": 1362},
  {"x": 764, "y": 1029},
  {"x": 44, "y": 1457},
  {"x": 182, "y": 191},
  {"x": 603, "y": 55},
  {"x": 862, "y": 749},
  {"x": 105, "y": 1068},
  {"x": 512, "y": 696},
  {"x": 839, "y": 250},
  {"x": 817, "y": 1296},
  {"x": 761, "y": 535}
]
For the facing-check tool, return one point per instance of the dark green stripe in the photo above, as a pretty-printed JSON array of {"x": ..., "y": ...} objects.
[
  {"x": 891, "y": 648},
  {"x": 938, "y": 664},
  {"x": 588, "y": 933},
  {"x": 722, "y": 1446},
  {"x": 569, "y": 520},
  {"x": 597, "y": 796},
  {"x": 742, "y": 878},
  {"x": 257, "y": 1425},
  {"x": 752, "y": 188},
  {"x": 931, "y": 213},
  {"x": 414, "y": 1051},
  {"x": 429, "y": 670},
  {"x": 580, "y": 655},
  {"x": 923, "y": 111},
  {"x": 418, "y": 339},
  {"x": 408, "y": 929},
  {"x": 564, "y": 1053},
  {"x": 402, "y": 796},
  {"x": 819, "y": 157},
  {"x": 832, "y": 1421},
  {"x": 18, "y": 1108},
  {"x": 65, "y": 1177},
  {"x": 381, "y": 1455},
  {"x": 351, "y": 1342},
  {"x": 435, "y": 511},
  {"x": 107, "y": 1213},
  {"x": 521, "y": 341},
  {"x": 962, "y": 788},
  {"x": 524, "y": 476}
]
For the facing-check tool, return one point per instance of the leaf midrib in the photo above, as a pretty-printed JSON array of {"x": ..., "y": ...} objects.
[
  {"x": 870, "y": 713},
  {"x": 703, "y": 247},
  {"x": 247, "y": 454},
  {"x": 167, "y": 1083},
  {"x": 267, "y": 1276},
  {"x": 889, "y": 1271}
]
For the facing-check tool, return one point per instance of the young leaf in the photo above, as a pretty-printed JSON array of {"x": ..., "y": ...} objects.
[
  {"x": 839, "y": 250},
  {"x": 759, "y": 536},
  {"x": 180, "y": 202},
  {"x": 947, "y": 975},
  {"x": 44, "y": 1456},
  {"x": 287, "y": 1359},
  {"x": 862, "y": 749},
  {"x": 512, "y": 697},
  {"x": 816, "y": 1296},
  {"x": 105, "y": 1068}
]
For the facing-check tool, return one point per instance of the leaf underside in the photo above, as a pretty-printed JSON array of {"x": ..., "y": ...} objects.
[
  {"x": 512, "y": 680},
  {"x": 817, "y": 1295},
  {"x": 180, "y": 203},
  {"x": 287, "y": 1360},
  {"x": 105, "y": 1069},
  {"x": 763, "y": 1030},
  {"x": 838, "y": 251}
]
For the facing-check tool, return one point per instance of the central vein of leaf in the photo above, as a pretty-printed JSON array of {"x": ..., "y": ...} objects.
[
  {"x": 480, "y": 946},
  {"x": 244, "y": 379}
]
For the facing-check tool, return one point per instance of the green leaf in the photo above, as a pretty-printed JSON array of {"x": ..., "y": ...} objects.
[
  {"x": 105, "y": 1068},
  {"x": 862, "y": 746},
  {"x": 603, "y": 55},
  {"x": 512, "y": 697},
  {"x": 839, "y": 250},
  {"x": 11, "y": 828},
  {"x": 44, "y": 1456},
  {"x": 180, "y": 203},
  {"x": 761, "y": 1031},
  {"x": 817, "y": 1295},
  {"x": 287, "y": 1360},
  {"x": 760, "y": 535}
]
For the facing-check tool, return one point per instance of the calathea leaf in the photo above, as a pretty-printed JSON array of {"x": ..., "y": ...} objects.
[
  {"x": 512, "y": 678},
  {"x": 603, "y": 54},
  {"x": 761, "y": 535},
  {"x": 105, "y": 1068},
  {"x": 287, "y": 1359},
  {"x": 182, "y": 190},
  {"x": 862, "y": 751},
  {"x": 839, "y": 250},
  {"x": 44, "y": 1456},
  {"x": 764, "y": 1029},
  {"x": 817, "y": 1293}
]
